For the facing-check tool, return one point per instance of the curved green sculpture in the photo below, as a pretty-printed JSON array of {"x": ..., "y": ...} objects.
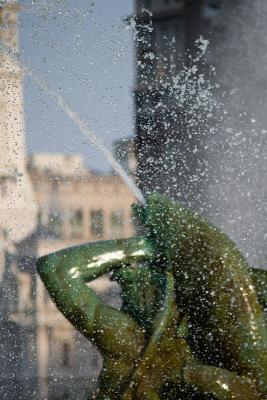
[{"x": 192, "y": 324}]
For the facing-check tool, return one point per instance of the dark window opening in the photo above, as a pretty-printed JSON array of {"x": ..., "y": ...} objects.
[
  {"x": 76, "y": 223},
  {"x": 117, "y": 223},
  {"x": 97, "y": 223},
  {"x": 66, "y": 354},
  {"x": 55, "y": 223},
  {"x": 3, "y": 186}
]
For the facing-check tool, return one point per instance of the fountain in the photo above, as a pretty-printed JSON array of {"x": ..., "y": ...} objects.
[
  {"x": 213, "y": 161},
  {"x": 78, "y": 121},
  {"x": 238, "y": 191},
  {"x": 192, "y": 324}
]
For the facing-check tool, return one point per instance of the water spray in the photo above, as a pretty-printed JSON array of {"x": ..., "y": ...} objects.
[{"x": 83, "y": 127}]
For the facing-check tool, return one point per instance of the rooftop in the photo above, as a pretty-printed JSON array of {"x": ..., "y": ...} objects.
[{"x": 58, "y": 164}]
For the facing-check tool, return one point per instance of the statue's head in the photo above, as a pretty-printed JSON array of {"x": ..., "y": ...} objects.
[
  {"x": 141, "y": 292},
  {"x": 170, "y": 224},
  {"x": 163, "y": 219},
  {"x": 143, "y": 286}
]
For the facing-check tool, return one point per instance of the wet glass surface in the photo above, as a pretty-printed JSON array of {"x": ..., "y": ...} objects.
[{"x": 101, "y": 104}]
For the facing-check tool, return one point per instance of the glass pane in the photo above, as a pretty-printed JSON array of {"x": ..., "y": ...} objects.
[{"x": 102, "y": 105}]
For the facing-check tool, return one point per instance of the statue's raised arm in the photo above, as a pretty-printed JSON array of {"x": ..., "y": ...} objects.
[{"x": 66, "y": 272}]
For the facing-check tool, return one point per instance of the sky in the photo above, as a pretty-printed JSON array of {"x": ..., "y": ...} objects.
[{"x": 85, "y": 53}]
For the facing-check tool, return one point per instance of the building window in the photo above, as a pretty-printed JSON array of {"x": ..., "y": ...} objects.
[
  {"x": 66, "y": 350},
  {"x": 55, "y": 223},
  {"x": 3, "y": 186},
  {"x": 97, "y": 223},
  {"x": 117, "y": 223},
  {"x": 39, "y": 218},
  {"x": 76, "y": 223}
]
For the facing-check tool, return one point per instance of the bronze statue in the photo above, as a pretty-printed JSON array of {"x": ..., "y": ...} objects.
[{"x": 192, "y": 324}]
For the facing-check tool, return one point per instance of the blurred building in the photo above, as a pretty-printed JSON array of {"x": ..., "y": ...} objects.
[
  {"x": 17, "y": 207},
  {"x": 17, "y": 216},
  {"x": 75, "y": 206},
  {"x": 210, "y": 154},
  {"x": 47, "y": 202},
  {"x": 48, "y": 358},
  {"x": 166, "y": 31}
]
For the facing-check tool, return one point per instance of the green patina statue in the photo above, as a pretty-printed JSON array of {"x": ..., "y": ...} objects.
[{"x": 192, "y": 324}]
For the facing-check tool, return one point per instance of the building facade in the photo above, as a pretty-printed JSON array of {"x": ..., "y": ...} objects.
[
  {"x": 166, "y": 134},
  {"x": 75, "y": 206},
  {"x": 17, "y": 207},
  {"x": 48, "y": 357},
  {"x": 18, "y": 212},
  {"x": 47, "y": 202},
  {"x": 209, "y": 155}
]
